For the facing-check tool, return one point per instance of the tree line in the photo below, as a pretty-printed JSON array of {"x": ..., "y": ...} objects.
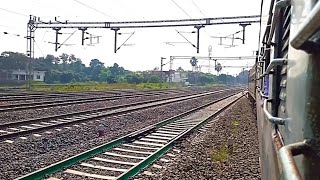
[{"x": 68, "y": 68}]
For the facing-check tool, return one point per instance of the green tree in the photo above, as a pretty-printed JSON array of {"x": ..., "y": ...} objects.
[
  {"x": 13, "y": 60},
  {"x": 96, "y": 66},
  {"x": 154, "y": 79},
  {"x": 134, "y": 78},
  {"x": 116, "y": 70},
  {"x": 67, "y": 77},
  {"x": 53, "y": 76},
  {"x": 64, "y": 58}
]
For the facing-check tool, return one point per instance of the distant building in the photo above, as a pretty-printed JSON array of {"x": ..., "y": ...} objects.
[
  {"x": 176, "y": 76},
  {"x": 161, "y": 74},
  {"x": 20, "y": 76},
  {"x": 179, "y": 76}
]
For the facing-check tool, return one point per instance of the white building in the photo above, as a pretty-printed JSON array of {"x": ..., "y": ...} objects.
[
  {"x": 21, "y": 75},
  {"x": 179, "y": 76}
]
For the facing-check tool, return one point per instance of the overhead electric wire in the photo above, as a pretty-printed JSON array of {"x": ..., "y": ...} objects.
[
  {"x": 67, "y": 39},
  {"x": 38, "y": 47},
  {"x": 13, "y": 12},
  {"x": 181, "y": 8},
  {"x": 1, "y": 25},
  {"x": 198, "y": 8},
  {"x": 92, "y": 8},
  {"x": 186, "y": 39},
  {"x": 201, "y": 10},
  {"x": 126, "y": 40},
  {"x": 9, "y": 33},
  {"x": 187, "y": 14}
]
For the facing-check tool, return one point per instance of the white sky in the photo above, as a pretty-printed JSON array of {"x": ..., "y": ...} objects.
[{"x": 149, "y": 43}]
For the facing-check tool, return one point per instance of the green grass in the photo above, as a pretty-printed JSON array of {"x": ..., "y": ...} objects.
[
  {"x": 221, "y": 154},
  {"x": 101, "y": 86}
]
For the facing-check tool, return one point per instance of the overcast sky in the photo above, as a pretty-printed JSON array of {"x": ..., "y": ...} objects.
[{"x": 149, "y": 44}]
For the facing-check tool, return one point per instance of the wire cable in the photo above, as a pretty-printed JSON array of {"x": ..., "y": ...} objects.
[
  {"x": 198, "y": 9},
  {"x": 201, "y": 10},
  {"x": 38, "y": 47},
  {"x": 181, "y": 9},
  {"x": 187, "y": 39},
  {"x": 67, "y": 39},
  {"x": 92, "y": 8},
  {"x": 188, "y": 15},
  {"x": 126, "y": 40},
  {"x": 13, "y": 12}
]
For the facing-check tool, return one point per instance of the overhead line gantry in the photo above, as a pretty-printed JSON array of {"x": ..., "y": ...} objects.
[{"x": 36, "y": 23}]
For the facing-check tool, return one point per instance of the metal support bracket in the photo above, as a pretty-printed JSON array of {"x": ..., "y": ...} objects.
[
  {"x": 274, "y": 63},
  {"x": 261, "y": 93},
  {"x": 272, "y": 119},
  {"x": 308, "y": 28},
  {"x": 286, "y": 154}
]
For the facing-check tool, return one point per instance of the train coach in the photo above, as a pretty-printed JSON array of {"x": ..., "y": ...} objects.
[{"x": 285, "y": 83}]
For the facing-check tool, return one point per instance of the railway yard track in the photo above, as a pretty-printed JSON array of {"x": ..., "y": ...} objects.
[
  {"x": 19, "y": 128},
  {"x": 60, "y": 137},
  {"x": 126, "y": 156},
  {"x": 32, "y": 113},
  {"x": 37, "y": 96},
  {"x": 64, "y": 102},
  {"x": 29, "y": 98}
]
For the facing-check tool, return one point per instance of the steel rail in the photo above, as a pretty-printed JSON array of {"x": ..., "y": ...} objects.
[
  {"x": 5, "y": 125},
  {"x": 87, "y": 93},
  {"x": 35, "y": 96},
  {"x": 143, "y": 164},
  {"x": 126, "y": 109},
  {"x": 51, "y": 169},
  {"x": 45, "y": 104},
  {"x": 51, "y": 95}
]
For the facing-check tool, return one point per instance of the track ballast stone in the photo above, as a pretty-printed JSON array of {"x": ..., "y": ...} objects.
[
  {"x": 25, "y": 156},
  {"x": 227, "y": 150}
]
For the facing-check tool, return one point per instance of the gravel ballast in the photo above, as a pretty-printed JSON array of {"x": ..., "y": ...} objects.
[
  {"x": 229, "y": 149},
  {"x": 25, "y": 156},
  {"x": 13, "y": 116}
]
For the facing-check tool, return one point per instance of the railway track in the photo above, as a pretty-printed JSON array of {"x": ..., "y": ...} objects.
[
  {"x": 30, "y": 97},
  {"x": 18, "y": 97},
  {"x": 127, "y": 155},
  {"x": 36, "y": 95},
  {"x": 39, "y": 95},
  {"x": 20, "y": 128},
  {"x": 65, "y": 102}
]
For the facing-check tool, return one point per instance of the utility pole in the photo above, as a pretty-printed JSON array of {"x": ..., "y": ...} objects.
[
  {"x": 170, "y": 68},
  {"x": 198, "y": 27},
  {"x": 244, "y": 30},
  {"x": 82, "y": 35},
  {"x": 115, "y": 38},
  {"x": 57, "y": 38},
  {"x": 30, "y": 49},
  {"x": 161, "y": 67},
  {"x": 209, "y": 54}
]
